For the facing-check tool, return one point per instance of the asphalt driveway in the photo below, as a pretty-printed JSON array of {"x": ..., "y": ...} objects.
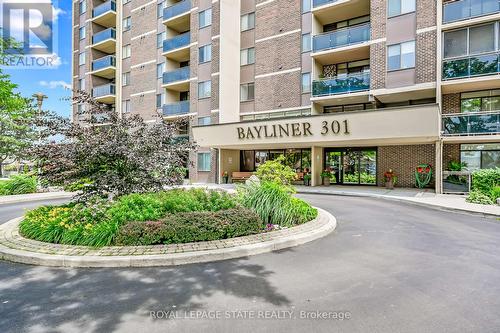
[{"x": 389, "y": 267}]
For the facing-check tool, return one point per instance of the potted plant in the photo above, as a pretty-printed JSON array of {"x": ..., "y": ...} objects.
[
  {"x": 390, "y": 179},
  {"x": 326, "y": 175},
  {"x": 307, "y": 179},
  {"x": 225, "y": 177}
]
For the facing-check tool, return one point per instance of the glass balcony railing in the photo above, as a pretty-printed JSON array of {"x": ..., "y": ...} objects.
[
  {"x": 341, "y": 84},
  {"x": 180, "y": 74},
  {"x": 176, "y": 109},
  {"x": 108, "y": 6},
  {"x": 342, "y": 37},
  {"x": 177, "y": 42},
  {"x": 101, "y": 36},
  {"x": 317, "y": 3},
  {"x": 177, "y": 9},
  {"x": 465, "y": 9},
  {"x": 104, "y": 90},
  {"x": 471, "y": 66},
  {"x": 476, "y": 123},
  {"x": 108, "y": 61}
]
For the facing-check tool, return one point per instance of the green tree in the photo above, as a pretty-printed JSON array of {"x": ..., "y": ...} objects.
[{"x": 276, "y": 171}]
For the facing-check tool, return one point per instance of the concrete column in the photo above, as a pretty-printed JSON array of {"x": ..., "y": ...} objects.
[
  {"x": 438, "y": 175},
  {"x": 317, "y": 154}
]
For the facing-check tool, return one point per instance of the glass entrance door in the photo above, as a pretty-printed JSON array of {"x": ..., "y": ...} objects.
[{"x": 352, "y": 166}]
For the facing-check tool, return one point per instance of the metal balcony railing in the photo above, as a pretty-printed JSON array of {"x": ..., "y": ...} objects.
[
  {"x": 317, "y": 3},
  {"x": 469, "y": 66},
  {"x": 176, "y": 9},
  {"x": 101, "y": 36},
  {"x": 176, "y": 109},
  {"x": 177, "y": 42},
  {"x": 342, "y": 84},
  {"x": 107, "y": 61},
  {"x": 471, "y": 123},
  {"x": 104, "y": 90},
  {"x": 108, "y": 6},
  {"x": 342, "y": 37},
  {"x": 180, "y": 74},
  {"x": 465, "y": 9}
]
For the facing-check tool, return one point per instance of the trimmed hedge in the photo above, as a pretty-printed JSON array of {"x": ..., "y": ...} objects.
[
  {"x": 191, "y": 227},
  {"x": 485, "y": 185}
]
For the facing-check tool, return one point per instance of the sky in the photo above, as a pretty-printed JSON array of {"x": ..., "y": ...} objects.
[{"x": 55, "y": 82}]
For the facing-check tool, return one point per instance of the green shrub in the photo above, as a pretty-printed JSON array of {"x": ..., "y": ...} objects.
[
  {"x": 78, "y": 186},
  {"x": 479, "y": 198},
  {"x": 276, "y": 171},
  {"x": 485, "y": 180},
  {"x": 18, "y": 184},
  {"x": 495, "y": 193},
  {"x": 191, "y": 227},
  {"x": 275, "y": 204}
]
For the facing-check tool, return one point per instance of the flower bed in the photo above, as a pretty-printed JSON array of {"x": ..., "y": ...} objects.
[{"x": 175, "y": 216}]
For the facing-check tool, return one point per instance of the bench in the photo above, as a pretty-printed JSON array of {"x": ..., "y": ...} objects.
[{"x": 239, "y": 176}]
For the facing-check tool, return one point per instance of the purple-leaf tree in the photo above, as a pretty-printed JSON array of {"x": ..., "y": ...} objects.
[{"x": 112, "y": 155}]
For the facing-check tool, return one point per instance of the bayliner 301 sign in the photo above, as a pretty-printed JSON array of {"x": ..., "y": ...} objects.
[{"x": 304, "y": 129}]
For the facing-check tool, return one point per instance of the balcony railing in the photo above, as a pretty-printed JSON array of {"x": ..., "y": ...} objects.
[
  {"x": 176, "y": 109},
  {"x": 104, "y": 90},
  {"x": 176, "y": 9},
  {"x": 177, "y": 42},
  {"x": 473, "y": 123},
  {"x": 108, "y": 6},
  {"x": 108, "y": 61},
  {"x": 101, "y": 36},
  {"x": 341, "y": 84},
  {"x": 465, "y": 9},
  {"x": 180, "y": 74},
  {"x": 342, "y": 37},
  {"x": 470, "y": 66},
  {"x": 317, "y": 3}
]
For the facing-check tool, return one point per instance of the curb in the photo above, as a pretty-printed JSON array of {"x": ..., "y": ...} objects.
[
  {"x": 173, "y": 259},
  {"x": 408, "y": 201},
  {"x": 13, "y": 199}
]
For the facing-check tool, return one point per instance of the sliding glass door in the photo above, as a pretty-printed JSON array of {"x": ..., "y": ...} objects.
[{"x": 352, "y": 166}]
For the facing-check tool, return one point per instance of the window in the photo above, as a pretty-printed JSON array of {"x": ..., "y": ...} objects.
[
  {"x": 126, "y": 79},
  {"x": 81, "y": 84},
  {"x": 306, "y": 82},
  {"x": 401, "y": 56},
  {"x": 160, "y": 38},
  {"x": 247, "y": 56},
  {"x": 159, "y": 9},
  {"x": 469, "y": 41},
  {"x": 478, "y": 101},
  {"x": 81, "y": 59},
  {"x": 480, "y": 156},
  {"x": 247, "y": 92},
  {"x": 126, "y": 106},
  {"x": 82, "y": 6},
  {"x": 398, "y": 7},
  {"x": 204, "y": 161},
  {"x": 126, "y": 51},
  {"x": 127, "y": 23},
  {"x": 205, "y": 18},
  {"x": 80, "y": 109},
  {"x": 247, "y": 21},
  {"x": 126, "y": 1},
  {"x": 204, "y": 121},
  {"x": 160, "y": 69},
  {"x": 306, "y": 6},
  {"x": 204, "y": 89},
  {"x": 205, "y": 53},
  {"x": 160, "y": 100},
  {"x": 82, "y": 32},
  {"x": 306, "y": 42}
]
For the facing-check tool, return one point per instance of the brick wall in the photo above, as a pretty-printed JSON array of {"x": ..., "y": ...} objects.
[
  {"x": 451, "y": 152},
  {"x": 215, "y": 92},
  {"x": 377, "y": 65},
  {"x": 278, "y": 91},
  {"x": 378, "y": 18},
  {"x": 426, "y": 13},
  {"x": 277, "y": 17},
  {"x": 278, "y": 54},
  {"x": 451, "y": 103},
  {"x": 425, "y": 66},
  {"x": 403, "y": 161}
]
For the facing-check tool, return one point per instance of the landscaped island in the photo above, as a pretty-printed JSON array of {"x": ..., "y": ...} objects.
[{"x": 173, "y": 216}]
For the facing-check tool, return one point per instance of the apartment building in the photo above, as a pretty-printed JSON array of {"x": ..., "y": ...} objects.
[{"x": 354, "y": 86}]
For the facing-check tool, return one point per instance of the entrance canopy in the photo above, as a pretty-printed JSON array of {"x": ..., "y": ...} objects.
[{"x": 391, "y": 126}]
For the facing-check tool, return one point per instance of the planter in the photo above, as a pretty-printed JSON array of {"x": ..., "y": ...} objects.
[
  {"x": 225, "y": 179},
  {"x": 307, "y": 182},
  {"x": 326, "y": 181},
  {"x": 389, "y": 185}
]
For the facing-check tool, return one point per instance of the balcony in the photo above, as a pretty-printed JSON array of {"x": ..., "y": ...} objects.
[
  {"x": 344, "y": 84},
  {"x": 177, "y": 48},
  {"x": 105, "y": 14},
  {"x": 473, "y": 123},
  {"x": 176, "y": 109},
  {"x": 105, "y": 93},
  {"x": 104, "y": 67},
  {"x": 467, "y": 9},
  {"x": 176, "y": 10},
  {"x": 328, "y": 11},
  {"x": 105, "y": 41},
  {"x": 178, "y": 79}
]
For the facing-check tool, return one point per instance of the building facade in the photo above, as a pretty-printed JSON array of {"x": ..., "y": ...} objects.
[{"x": 357, "y": 87}]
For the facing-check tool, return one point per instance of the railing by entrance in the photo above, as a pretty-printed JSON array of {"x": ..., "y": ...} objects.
[{"x": 457, "y": 182}]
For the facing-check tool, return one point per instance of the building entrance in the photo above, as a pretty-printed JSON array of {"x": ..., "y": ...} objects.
[{"x": 352, "y": 166}]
